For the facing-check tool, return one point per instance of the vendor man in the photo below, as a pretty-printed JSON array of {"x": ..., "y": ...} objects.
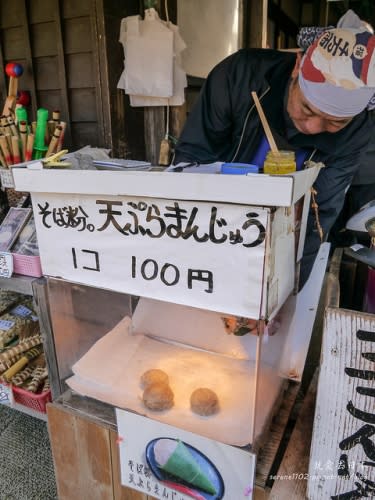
[{"x": 315, "y": 105}]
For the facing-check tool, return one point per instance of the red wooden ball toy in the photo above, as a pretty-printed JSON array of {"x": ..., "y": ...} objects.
[{"x": 14, "y": 70}]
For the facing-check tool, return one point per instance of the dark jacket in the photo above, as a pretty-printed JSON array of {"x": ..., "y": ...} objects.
[
  {"x": 366, "y": 172},
  {"x": 224, "y": 126}
]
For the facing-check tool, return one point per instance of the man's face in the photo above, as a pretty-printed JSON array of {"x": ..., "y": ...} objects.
[{"x": 308, "y": 119}]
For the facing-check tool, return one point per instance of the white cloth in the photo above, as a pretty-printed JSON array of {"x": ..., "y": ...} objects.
[{"x": 152, "y": 74}]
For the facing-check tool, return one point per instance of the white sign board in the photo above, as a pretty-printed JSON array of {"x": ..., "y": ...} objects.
[
  {"x": 166, "y": 462},
  {"x": 342, "y": 461},
  {"x": 6, "y": 264},
  {"x": 179, "y": 251},
  {"x": 6, "y": 395}
]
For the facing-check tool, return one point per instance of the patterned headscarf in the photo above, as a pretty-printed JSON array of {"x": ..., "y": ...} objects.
[{"x": 337, "y": 73}]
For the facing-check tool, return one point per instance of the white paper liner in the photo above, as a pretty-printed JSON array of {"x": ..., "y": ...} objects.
[{"x": 111, "y": 370}]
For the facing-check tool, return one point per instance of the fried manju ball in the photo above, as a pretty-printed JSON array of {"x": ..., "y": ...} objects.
[
  {"x": 158, "y": 396},
  {"x": 154, "y": 376},
  {"x": 204, "y": 402}
]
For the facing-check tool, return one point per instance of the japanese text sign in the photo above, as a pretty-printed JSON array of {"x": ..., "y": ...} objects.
[
  {"x": 342, "y": 462},
  {"x": 203, "y": 254}
]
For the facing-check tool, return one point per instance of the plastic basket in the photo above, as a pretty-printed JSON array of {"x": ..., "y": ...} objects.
[
  {"x": 36, "y": 402},
  {"x": 28, "y": 265}
]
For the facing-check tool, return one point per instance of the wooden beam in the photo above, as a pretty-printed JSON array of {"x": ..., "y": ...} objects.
[
  {"x": 3, "y": 82},
  {"x": 102, "y": 84},
  {"x": 64, "y": 111},
  {"x": 282, "y": 20},
  {"x": 154, "y": 119},
  {"x": 24, "y": 21}
]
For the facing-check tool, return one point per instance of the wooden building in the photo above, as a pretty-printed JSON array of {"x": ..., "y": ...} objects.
[{"x": 72, "y": 61}]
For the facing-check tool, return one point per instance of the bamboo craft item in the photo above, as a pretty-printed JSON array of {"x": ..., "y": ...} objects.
[
  {"x": 38, "y": 375},
  {"x": 12, "y": 127},
  {"x": 29, "y": 147},
  {"x": 2, "y": 159},
  {"x": 21, "y": 363},
  {"x": 23, "y": 134},
  {"x": 22, "y": 346},
  {"x": 4, "y": 366},
  {"x": 13, "y": 71},
  {"x": 22, "y": 376},
  {"x": 20, "y": 142},
  {"x": 16, "y": 150},
  {"x": 54, "y": 141},
  {"x": 46, "y": 385},
  {"x": 61, "y": 138},
  {"x": 5, "y": 150}
]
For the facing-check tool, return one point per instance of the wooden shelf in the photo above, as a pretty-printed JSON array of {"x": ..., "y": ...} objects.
[
  {"x": 18, "y": 283},
  {"x": 29, "y": 411}
]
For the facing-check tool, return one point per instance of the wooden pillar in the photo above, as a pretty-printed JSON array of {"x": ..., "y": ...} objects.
[
  {"x": 154, "y": 119},
  {"x": 258, "y": 24}
]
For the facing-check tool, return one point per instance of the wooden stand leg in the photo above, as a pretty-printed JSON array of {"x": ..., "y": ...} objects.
[{"x": 85, "y": 456}]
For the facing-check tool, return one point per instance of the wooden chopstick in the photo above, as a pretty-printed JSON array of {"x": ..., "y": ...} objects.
[{"x": 266, "y": 127}]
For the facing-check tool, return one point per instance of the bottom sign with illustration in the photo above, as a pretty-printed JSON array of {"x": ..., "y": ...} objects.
[{"x": 170, "y": 463}]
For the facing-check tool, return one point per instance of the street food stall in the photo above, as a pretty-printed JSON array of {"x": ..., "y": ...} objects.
[{"x": 198, "y": 273}]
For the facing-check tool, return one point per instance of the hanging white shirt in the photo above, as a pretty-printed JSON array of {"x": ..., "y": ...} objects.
[{"x": 153, "y": 75}]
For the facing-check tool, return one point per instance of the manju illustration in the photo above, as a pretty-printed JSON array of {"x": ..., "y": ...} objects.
[{"x": 177, "y": 464}]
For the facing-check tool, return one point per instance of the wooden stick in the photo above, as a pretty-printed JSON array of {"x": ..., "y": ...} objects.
[
  {"x": 23, "y": 133},
  {"x": 29, "y": 147},
  {"x": 51, "y": 127},
  {"x": 54, "y": 141},
  {"x": 4, "y": 125},
  {"x": 61, "y": 138},
  {"x": 10, "y": 104},
  {"x": 8, "y": 137},
  {"x": 2, "y": 159},
  {"x": 16, "y": 150},
  {"x": 13, "y": 86},
  {"x": 56, "y": 116},
  {"x": 266, "y": 127},
  {"x": 12, "y": 126},
  {"x": 5, "y": 150}
]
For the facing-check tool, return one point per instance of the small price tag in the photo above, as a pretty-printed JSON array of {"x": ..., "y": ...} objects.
[
  {"x": 22, "y": 311},
  {"x": 5, "y": 324},
  {"x": 6, "y": 264},
  {"x": 6, "y": 395}
]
